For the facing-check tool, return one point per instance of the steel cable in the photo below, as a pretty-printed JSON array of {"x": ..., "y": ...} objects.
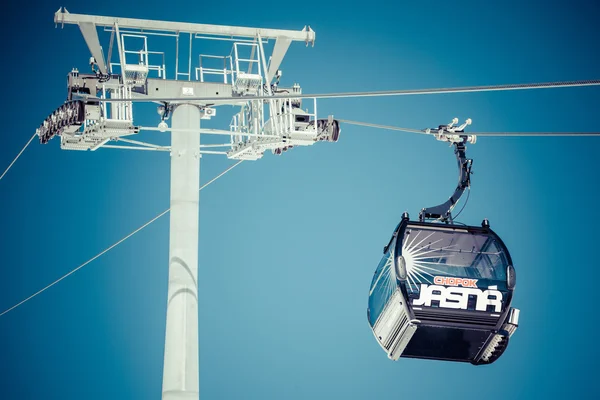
[
  {"x": 112, "y": 246},
  {"x": 17, "y": 157}
]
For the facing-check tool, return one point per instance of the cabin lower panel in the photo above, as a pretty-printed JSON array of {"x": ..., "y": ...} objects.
[{"x": 446, "y": 343}]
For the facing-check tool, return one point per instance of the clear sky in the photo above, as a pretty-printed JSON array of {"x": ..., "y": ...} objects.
[{"x": 288, "y": 245}]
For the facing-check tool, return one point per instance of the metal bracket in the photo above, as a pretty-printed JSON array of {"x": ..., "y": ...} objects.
[
  {"x": 443, "y": 212},
  {"x": 452, "y": 133}
]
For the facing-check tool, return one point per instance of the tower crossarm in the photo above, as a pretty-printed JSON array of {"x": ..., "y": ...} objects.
[{"x": 62, "y": 16}]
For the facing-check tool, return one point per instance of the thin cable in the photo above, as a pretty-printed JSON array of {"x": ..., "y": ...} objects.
[
  {"x": 114, "y": 245},
  {"x": 392, "y": 128},
  {"x": 535, "y": 133},
  {"x": 462, "y": 89},
  {"x": 18, "y": 155},
  {"x": 464, "y": 205},
  {"x": 86, "y": 263},
  {"x": 397, "y": 128}
]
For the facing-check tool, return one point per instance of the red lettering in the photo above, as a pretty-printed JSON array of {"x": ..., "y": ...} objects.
[{"x": 449, "y": 281}]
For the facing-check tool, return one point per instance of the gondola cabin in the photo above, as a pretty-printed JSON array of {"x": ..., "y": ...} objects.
[{"x": 443, "y": 292}]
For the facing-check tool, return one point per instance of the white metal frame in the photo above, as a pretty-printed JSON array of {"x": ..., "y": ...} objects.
[
  {"x": 180, "y": 374},
  {"x": 225, "y": 72},
  {"x": 259, "y": 126}
]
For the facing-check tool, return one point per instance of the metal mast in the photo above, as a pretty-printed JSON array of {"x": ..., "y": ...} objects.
[
  {"x": 99, "y": 110},
  {"x": 180, "y": 374}
]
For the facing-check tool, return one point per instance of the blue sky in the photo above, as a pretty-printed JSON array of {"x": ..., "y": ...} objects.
[{"x": 288, "y": 245}]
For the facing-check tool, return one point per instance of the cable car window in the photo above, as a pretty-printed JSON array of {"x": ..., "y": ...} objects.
[
  {"x": 450, "y": 253},
  {"x": 382, "y": 286}
]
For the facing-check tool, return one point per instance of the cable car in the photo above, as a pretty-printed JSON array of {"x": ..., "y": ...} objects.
[{"x": 443, "y": 291}]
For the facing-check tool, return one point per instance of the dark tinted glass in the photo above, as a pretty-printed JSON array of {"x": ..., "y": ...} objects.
[
  {"x": 383, "y": 285},
  {"x": 431, "y": 252}
]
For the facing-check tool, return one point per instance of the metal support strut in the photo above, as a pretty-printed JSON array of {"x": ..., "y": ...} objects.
[
  {"x": 180, "y": 374},
  {"x": 443, "y": 212}
]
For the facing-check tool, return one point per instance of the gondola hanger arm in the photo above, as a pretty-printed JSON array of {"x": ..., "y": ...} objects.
[{"x": 455, "y": 135}]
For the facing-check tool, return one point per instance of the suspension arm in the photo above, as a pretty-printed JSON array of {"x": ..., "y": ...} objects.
[{"x": 443, "y": 211}]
